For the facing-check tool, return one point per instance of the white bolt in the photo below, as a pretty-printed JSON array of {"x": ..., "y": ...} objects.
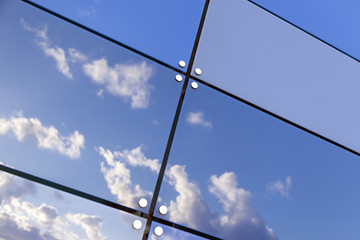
[
  {"x": 158, "y": 231},
  {"x": 198, "y": 71},
  {"x": 163, "y": 210},
  {"x": 182, "y": 63},
  {"x": 137, "y": 224},
  {"x": 143, "y": 203},
  {"x": 178, "y": 78},
  {"x": 194, "y": 85}
]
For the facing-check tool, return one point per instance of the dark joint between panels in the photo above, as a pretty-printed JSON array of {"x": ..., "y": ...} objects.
[
  {"x": 185, "y": 229},
  {"x": 275, "y": 116},
  {"x": 174, "y": 125},
  {"x": 165, "y": 160},
  {"x": 71, "y": 191},
  {"x": 104, "y": 36},
  {"x": 312, "y": 35}
]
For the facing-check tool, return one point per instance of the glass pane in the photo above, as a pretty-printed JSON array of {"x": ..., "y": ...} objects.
[
  {"x": 318, "y": 18},
  {"x": 238, "y": 173},
  {"x": 81, "y": 111},
  {"x": 163, "y": 29},
  {"x": 31, "y": 211},
  {"x": 264, "y": 60},
  {"x": 170, "y": 233}
]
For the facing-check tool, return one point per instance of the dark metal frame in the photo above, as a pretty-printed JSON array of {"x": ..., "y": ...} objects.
[{"x": 150, "y": 215}]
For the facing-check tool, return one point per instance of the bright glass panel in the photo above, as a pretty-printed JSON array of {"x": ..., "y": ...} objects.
[
  {"x": 252, "y": 54},
  {"x": 335, "y": 22}
]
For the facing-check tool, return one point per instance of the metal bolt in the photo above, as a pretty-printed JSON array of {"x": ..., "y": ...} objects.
[
  {"x": 182, "y": 63},
  {"x": 178, "y": 78},
  {"x": 198, "y": 71},
  {"x": 158, "y": 231},
  {"x": 137, "y": 224},
  {"x": 194, "y": 85},
  {"x": 143, "y": 203}
]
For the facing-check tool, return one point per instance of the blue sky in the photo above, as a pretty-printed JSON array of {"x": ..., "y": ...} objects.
[
  {"x": 83, "y": 112},
  {"x": 332, "y": 21},
  {"x": 166, "y": 35}
]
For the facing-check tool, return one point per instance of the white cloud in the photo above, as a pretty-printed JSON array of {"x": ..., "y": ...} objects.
[
  {"x": 118, "y": 176},
  {"x": 57, "y": 53},
  {"x": 100, "y": 93},
  {"x": 11, "y": 187},
  {"x": 189, "y": 207},
  {"x": 89, "y": 12},
  {"x": 91, "y": 224},
  {"x": 197, "y": 118},
  {"x": 129, "y": 81},
  {"x": 281, "y": 187},
  {"x": 46, "y": 137},
  {"x": 24, "y": 220},
  {"x": 239, "y": 219},
  {"x": 76, "y": 56}
]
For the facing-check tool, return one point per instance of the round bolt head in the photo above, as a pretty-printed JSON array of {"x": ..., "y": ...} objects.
[
  {"x": 178, "y": 78},
  {"x": 182, "y": 63},
  {"x": 194, "y": 85},
  {"x": 143, "y": 203},
  {"x": 158, "y": 231},
  {"x": 198, "y": 71},
  {"x": 137, "y": 224},
  {"x": 163, "y": 210}
]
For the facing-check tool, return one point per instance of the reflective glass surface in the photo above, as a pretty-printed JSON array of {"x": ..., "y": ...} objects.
[
  {"x": 335, "y": 22},
  {"x": 252, "y": 54},
  {"x": 163, "y": 29},
  {"x": 31, "y": 211},
  {"x": 237, "y": 173},
  {"x": 80, "y": 111}
]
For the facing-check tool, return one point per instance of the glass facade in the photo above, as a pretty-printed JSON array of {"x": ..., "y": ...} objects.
[{"x": 173, "y": 120}]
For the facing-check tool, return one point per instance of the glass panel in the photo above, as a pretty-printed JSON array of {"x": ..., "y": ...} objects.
[
  {"x": 170, "y": 233},
  {"x": 264, "y": 60},
  {"x": 238, "y": 173},
  {"x": 318, "y": 18},
  {"x": 163, "y": 29},
  {"x": 32, "y": 211},
  {"x": 81, "y": 111}
]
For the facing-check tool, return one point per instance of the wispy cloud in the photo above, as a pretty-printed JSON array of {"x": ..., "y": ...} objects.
[
  {"x": 118, "y": 175},
  {"x": 24, "y": 220},
  {"x": 77, "y": 56},
  {"x": 91, "y": 224},
  {"x": 100, "y": 93},
  {"x": 129, "y": 81},
  {"x": 57, "y": 53},
  {"x": 87, "y": 12},
  {"x": 46, "y": 137},
  {"x": 239, "y": 220},
  {"x": 198, "y": 119},
  {"x": 281, "y": 187}
]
